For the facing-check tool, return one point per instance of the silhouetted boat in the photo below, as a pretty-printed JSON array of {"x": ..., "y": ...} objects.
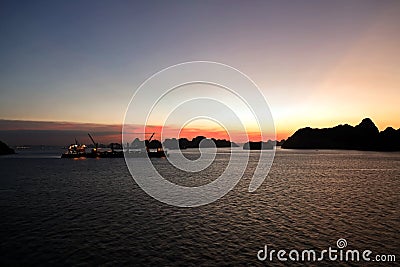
[
  {"x": 79, "y": 151},
  {"x": 93, "y": 154},
  {"x": 142, "y": 154}
]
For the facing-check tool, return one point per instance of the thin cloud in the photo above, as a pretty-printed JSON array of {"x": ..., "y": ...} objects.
[{"x": 21, "y": 132}]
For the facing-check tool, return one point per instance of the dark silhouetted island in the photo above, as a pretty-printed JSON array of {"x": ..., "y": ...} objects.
[
  {"x": 5, "y": 149},
  {"x": 259, "y": 145},
  {"x": 184, "y": 143},
  {"x": 364, "y": 136},
  {"x": 262, "y": 145}
]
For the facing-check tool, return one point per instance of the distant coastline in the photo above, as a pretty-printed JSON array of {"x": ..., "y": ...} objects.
[
  {"x": 364, "y": 136},
  {"x": 184, "y": 143},
  {"x": 262, "y": 145}
]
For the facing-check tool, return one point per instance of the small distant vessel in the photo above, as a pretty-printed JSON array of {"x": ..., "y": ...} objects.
[
  {"x": 78, "y": 150},
  {"x": 23, "y": 147},
  {"x": 75, "y": 151},
  {"x": 151, "y": 154}
]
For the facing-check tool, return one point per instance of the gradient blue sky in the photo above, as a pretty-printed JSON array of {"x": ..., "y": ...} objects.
[{"x": 319, "y": 63}]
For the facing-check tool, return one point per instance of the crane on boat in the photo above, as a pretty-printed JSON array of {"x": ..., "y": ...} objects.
[
  {"x": 151, "y": 137},
  {"x": 96, "y": 145}
]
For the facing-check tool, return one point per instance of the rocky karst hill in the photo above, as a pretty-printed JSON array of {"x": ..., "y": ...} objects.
[
  {"x": 364, "y": 136},
  {"x": 5, "y": 150}
]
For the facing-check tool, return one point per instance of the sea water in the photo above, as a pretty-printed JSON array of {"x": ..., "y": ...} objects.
[{"x": 91, "y": 212}]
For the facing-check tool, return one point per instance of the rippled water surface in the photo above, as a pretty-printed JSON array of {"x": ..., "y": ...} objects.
[{"x": 91, "y": 212}]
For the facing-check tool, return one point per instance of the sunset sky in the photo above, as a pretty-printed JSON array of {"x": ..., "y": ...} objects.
[{"x": 318, "y": 63}]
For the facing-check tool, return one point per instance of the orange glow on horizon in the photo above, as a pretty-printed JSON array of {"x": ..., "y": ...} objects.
[{"x": 64, "y": 133}]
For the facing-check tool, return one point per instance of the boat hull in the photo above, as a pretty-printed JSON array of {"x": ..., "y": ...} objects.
[{"x": 120, "y": 154}]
